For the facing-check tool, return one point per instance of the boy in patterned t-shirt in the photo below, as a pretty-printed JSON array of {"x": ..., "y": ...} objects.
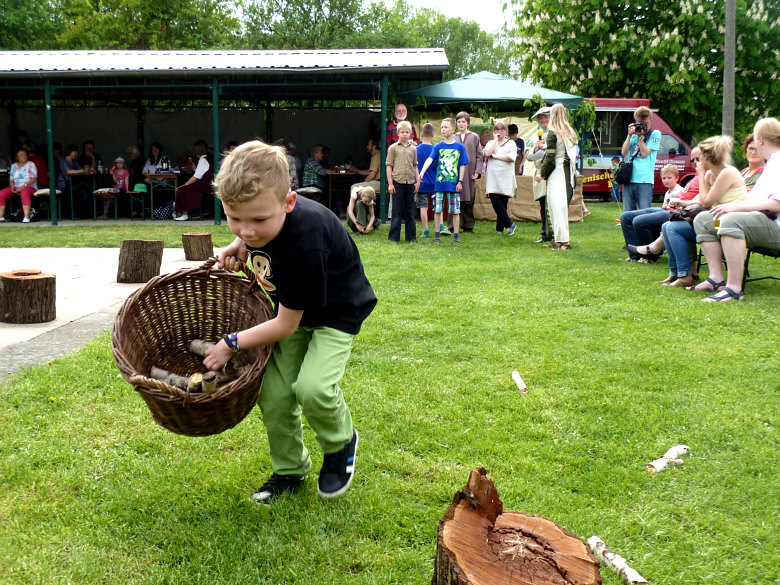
[{"x": 450, "y": 159}]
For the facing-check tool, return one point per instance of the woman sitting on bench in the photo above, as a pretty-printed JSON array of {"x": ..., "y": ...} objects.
[{"x": 749, "y": 223}]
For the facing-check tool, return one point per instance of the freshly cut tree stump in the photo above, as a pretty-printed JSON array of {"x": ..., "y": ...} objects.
[
  {"x": 139, "y": 260},
  {"x": 480, "y": 544},
  {"x": 28, "y": 296},
  {"x": 197, "y": 246}
]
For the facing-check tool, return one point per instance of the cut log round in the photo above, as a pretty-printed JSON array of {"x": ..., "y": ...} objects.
[
  {"x": 139, "y": 260},
  {"x": 197, "y": 246},
  {"x": 478, "y": 543},
  {"x": 27, "y": 296}
]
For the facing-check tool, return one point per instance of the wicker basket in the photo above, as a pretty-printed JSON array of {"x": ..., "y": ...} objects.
[{"x": 155, "y": 326}]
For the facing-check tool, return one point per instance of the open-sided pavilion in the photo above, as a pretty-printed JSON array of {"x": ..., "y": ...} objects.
[{"x": 262, "y": 80}]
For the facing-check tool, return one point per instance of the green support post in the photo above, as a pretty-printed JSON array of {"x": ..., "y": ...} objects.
[
  {"x": 217, "y": 149},
  {"x": 53, "y": 174},
  {"x": 383, "y": 139}
]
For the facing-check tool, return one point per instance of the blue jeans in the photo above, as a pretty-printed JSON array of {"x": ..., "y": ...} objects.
[
  {"x": 403, "y": 212},
  {"x": 637, "y": 196},
  {"x": 616, "y": 191},
  {"x": 679, "y": 238},
  {"x": 642, "y": 226}
]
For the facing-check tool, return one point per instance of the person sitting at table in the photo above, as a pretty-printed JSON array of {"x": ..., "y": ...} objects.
[
  {"x": 82, "y": 193},
  {"x": 314, "y": 171},
  {"x": 89, "y": 158},
  {"x": 190, "y": 194},
  {"x": 290, "y": 164},
  {"x": 154, "y": 161},
  {"x": 371, "y": 174},
  {"x": 135, "y": 165},
  {"x": 23, "y": 181}
]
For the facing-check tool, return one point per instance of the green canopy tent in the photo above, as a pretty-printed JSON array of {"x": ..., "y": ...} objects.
[{"x": 488, "y": 88}]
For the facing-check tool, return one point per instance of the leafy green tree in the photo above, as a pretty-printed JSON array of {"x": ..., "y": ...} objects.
[
  {"x": 148, "y": 24},
  {"x": 29, "y": 24},
  {"x": 670, "y": 52}
]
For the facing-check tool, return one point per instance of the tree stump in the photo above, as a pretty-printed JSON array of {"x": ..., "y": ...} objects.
[
  {"x": 27, "y": 296},
  {"x": 478, "y": 543},
  {"x": 139, "y": 260},
  {"x": 197, "y": 246}
]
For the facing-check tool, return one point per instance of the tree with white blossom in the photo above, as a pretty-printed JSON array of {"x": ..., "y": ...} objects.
[{"x": 668, "y": 51}]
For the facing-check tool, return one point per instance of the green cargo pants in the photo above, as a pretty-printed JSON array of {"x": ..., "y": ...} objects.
[{"x": 303, "y": 376}]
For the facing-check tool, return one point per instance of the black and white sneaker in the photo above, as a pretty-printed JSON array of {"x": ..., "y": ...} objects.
[
  {"x": 338, "y": 469},
  {"x": 276, "y": 486}
]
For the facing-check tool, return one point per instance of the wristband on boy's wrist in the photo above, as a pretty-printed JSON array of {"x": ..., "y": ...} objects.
[{"x": 231, "y": 340}]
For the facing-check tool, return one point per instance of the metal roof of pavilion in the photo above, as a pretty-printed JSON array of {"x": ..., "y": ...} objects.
[
  {"x": 277, "y": 75},
  {"x": 63, "y": 63}
]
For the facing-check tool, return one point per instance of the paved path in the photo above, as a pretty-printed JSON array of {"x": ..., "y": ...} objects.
[{"x": 88, "y": 298}]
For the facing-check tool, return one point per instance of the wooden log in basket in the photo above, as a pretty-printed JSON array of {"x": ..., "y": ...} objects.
[
  {"x": 139, "y": 260},
  {"x": 197, "y": 246},
  {"x": 27, "y": 296},
  {"x": 480, "y": 544}
]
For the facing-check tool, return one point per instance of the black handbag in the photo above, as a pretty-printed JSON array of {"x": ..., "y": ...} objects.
[
  {"x": 686, "y": 213},
  {"x": 624, "y": 172}
]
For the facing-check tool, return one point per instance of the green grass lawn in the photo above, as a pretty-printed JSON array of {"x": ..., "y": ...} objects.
[{"x": 619, "y": 369}]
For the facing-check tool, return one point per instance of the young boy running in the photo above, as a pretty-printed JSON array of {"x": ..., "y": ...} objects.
[
  {"x": 305, "y": 259},
  {"x": 450, "y": 159}
]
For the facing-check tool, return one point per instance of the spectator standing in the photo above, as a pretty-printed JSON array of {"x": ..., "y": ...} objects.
[
  {"x": 500, "y": 182},
  {"x": 535, "y": 154},
  {"x": 402, "y": 179},
  {"x": 392, "y": 127},
  {"x": 470, "y": 142},
  {"x": 641, "y": 146},
  {"x": 616, "y": 196},
  {"x": 425, "y": 189},
  {"x": 558, "y": 169},
  {"x": 520, "y": 160}
]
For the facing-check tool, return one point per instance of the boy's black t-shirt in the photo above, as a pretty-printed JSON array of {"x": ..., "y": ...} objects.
[{"x": 314, "y": 266}]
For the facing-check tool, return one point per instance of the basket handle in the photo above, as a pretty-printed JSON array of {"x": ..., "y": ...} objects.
[
  {"x": 247, "y": 269},
  {"x": 139, "y": 380}
]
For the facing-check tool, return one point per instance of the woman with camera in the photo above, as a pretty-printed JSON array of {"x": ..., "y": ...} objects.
[{"x": 642, "y": 143}]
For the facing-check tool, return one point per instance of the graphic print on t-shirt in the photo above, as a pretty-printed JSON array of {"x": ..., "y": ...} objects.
[
  {"x": 261, "y": 266},
  {"x": 448, "y": 166}
]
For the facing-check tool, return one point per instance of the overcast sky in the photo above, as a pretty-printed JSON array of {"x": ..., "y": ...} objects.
[{"x": 488, "y": 13}]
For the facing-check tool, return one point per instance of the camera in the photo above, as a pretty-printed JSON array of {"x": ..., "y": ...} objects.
[{"x": 640, "y": 127}]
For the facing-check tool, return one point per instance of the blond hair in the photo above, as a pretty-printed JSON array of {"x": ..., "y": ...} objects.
[
  {"x": 404, "y": 124},
  {"x": 643, "y": 113},
  {"x": 252, "y": 169},
  {"x": 367, "y": 193},
  {"x": 717, "y": 149},
  {"x": 559, "y": 123},
  {"x": 768, "y": 129},
  {"x": 499, "y": 124},
  {"x": 670, "y": 169},
  {"x": 450, "y": 121}
]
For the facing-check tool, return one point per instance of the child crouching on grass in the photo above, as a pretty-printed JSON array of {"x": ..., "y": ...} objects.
[
  {"x": 307, "y": 262},
  {"x": 361, "y": 217}
]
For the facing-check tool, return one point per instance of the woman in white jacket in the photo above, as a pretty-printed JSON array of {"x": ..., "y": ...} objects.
[{"x": 558, "y": 169}]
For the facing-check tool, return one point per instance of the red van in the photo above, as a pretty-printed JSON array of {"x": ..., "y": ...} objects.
[{"x": 613, "y": 115}]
